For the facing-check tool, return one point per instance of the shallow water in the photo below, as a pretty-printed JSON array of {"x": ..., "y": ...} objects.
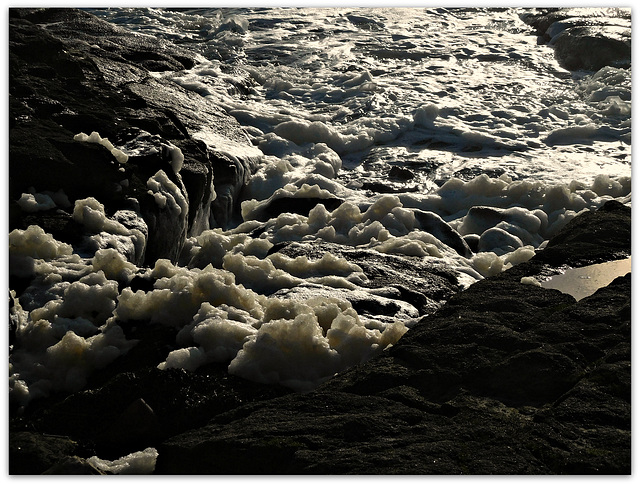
[{"x": 585, "y": 281}]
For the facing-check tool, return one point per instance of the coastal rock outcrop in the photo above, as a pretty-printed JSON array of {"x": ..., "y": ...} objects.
[
  {"x": 585, "y": 39},
  {"x": 506, "y": 378},
  {"x": 72, "y": 73}
]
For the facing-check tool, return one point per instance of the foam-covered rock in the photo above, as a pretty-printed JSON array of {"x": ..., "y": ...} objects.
[
  {"x": 137, "y": 125},
  {"x": 498, "y": 355}
]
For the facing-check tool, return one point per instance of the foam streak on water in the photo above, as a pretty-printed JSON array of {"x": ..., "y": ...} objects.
[{"x": 468, "y": 87}]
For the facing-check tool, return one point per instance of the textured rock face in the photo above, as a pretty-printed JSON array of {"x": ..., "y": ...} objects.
[
  {"x": 70, "y": 72},
  {"x": 505, "y": 378},
  {"x": 585, "y": 38}
]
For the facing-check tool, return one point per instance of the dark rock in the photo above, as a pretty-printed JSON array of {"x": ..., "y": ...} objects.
[
  {"x": 163, "y": 402},
  {"x": 70, "y": 72},
  {"x": 592, "y": 48},
  {"x": 136, "y": 426},
  {"x": 472, "y": 241},
  {"x": 435, "y": 225},
  {"x": 296, "y": 205},
  {"x": 400, "y": 173},
  {"x": 57, "y": 222},
  {"x": 586, "y": 39},
  {"x": 33, "y": 453},
  {"x": 595, "y": 237},
  {"x": 73, "y": 465}
]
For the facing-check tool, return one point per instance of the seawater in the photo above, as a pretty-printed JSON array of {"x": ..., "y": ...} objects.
[
  {"x": 432, "y": 126},
  {"x": 585, "y": 281},
  {"x": 454, "y": 91}
]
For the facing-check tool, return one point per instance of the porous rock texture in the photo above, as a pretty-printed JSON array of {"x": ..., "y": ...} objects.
[
  {"x": 70, "y": 72},
  {"x": 505, "y": 378}
]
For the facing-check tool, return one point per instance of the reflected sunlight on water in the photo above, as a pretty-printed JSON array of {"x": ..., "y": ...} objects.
[{"x": 583, "y": 282}]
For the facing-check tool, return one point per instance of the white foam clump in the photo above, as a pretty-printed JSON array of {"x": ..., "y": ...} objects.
[
  {"x": 212, "y": 245},
  {"x": 277, "y": 271},
  {"x": 95, "y": 137},
  {"x": 35, "y": 202},
  {"x": 92, "y": 296},
  {"x": 572, "y": 134},
  {"x": 530, "y": 280},
  {"x": 302, "y": 131},
  {"x": 251, "y": 209},
  {"x": 176, "y": 156},
  {"x": 425, "y": 115},
  {"x": 324, "y": 160},
  {"x": 36, "y": 243},
  {"x": 273, "y": 174},
  {"x": 489, "y": 263},
  {"x": 178, "y": 293},
  {"x": 90, "y": 213},
  {"x": 108, "y": 232},
  {"x": 609, "y": 92},
  {"x": 305, "y": 343},
  {"x": 113, "y": 264},
  {"x": 49, "y": 362},
  {"x": 29, "y": 247},
  {"x": 167, "y": 194},
  {"x": 386, "y": 225},
  {"x": 62, "y": 327},
  {"x": 220, "y": 332},
  {"x": 217, "y": 317},
  {"x": 416, "y": 243},
  {"x": 259, "y": 274},
  {"x": 553, "y": 205},
  {"x": 298, "y": 344},
  {"x": 137, "y": 463}
]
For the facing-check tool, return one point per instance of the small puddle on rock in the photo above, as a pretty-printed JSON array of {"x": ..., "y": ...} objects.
[{"x": 584, "y": 281}]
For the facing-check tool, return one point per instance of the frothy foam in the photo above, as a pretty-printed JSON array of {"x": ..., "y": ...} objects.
[{"x": 499, "y": 149}]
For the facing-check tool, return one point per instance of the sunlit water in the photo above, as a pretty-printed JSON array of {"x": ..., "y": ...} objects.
[
  {"x": 453, "y": 91},
  {"x": 583, "y": 282}
]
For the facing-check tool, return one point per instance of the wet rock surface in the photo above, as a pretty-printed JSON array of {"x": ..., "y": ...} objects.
[
  {"x": 588, "y": 39},
  {"x": 505, "y": 378},
  {"x": 70, "y": 72}
]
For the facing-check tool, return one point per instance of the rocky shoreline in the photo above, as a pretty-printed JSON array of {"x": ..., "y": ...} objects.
[
  {"x": 503, "y": 378},
  {"x": 506, "y": 378}
]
